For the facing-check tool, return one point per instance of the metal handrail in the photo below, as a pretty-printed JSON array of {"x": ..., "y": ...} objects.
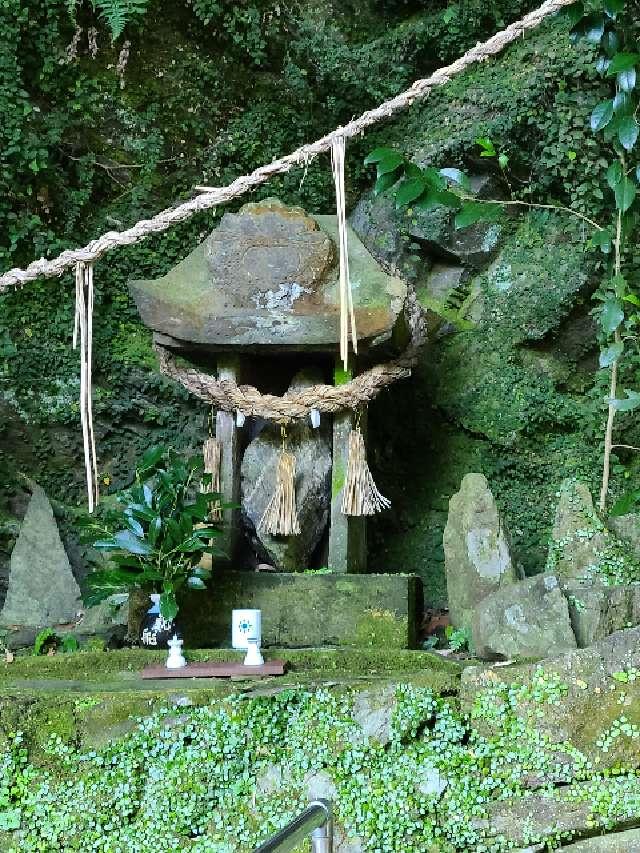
[{"x": 316, "y": 820}]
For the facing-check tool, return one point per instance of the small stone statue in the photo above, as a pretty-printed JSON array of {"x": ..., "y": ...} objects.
[
  {"x": 176, "y": 659},
  {"x": 253, "y": 656}
]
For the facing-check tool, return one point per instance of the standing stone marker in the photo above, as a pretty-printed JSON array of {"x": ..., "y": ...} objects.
[
  {"x": 476, "y": 550},
  {"x": 42, "y": 589}
]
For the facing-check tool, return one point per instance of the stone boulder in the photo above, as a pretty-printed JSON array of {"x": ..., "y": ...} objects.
[
  {"x": 627, "y": 528},
  {"x": 476, "y": 549},
  {"x": 581, "y": 548},
  {"x": 529, "y": 619},
  {"x": 42, "y": 590},
  {"x": 597, "y": 610},
  {"x": 313, "y": 488},
  {"x": 594, "y": 703}
]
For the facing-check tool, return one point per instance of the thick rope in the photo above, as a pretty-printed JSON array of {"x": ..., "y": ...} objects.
[
  {"x": 219, "y": 195},
  {"x": 229, "y": 397}
]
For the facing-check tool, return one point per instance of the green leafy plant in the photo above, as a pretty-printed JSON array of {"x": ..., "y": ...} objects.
[
  {"x": 166, "y": 532},
  {"x": 45, "y": 639},
  {"x": 459, "y": 638}
]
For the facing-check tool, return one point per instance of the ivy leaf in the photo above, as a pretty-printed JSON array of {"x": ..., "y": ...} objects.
[
  {"x": 627, "y": 80},
  {"x": 613, "y": 8},
  {"x": 456, "y": 176},
  {"x": 602, "y": 115},
  {"x": 611, "y": 315},
  {"x": 488, "y": 148},
  {"x": 384, "y": 182},
  {"x": 622, "y": 62},
  {"x": 628, "y": 132},
  {"x": 603, "y": 240},
  {"x": 629, "y": 403},
  {"x": 434, "y": 179},
  {"x": 622, "y": 102},
  {"x": 625, "y": 194},
  {"x": 475, "y": 211},
  {"x": 575, "y": 13},
  {"x": 390, "y": 163},
  {"x": 378, "y": 154},
  {"x": 632, "y": 298},
  {"x": 409, "y": 190},
  {"x": 614, "y": 174},
  {"x": 622, "y": 506},
  {"x": 611, "y": 354}
]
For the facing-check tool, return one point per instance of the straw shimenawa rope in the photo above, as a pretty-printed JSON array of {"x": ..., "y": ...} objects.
[
  {"x": 229, "y": 397},
  {"x": 360, "y": 495},
  {"x": 211, "y": 197}
]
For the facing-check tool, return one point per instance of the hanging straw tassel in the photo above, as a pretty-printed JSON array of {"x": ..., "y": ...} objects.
[
  {"x": 280, "y": 517},
  {"x": 360, "y": 495},
  {"x": 83, "y": 326},
  {"x": 347, "y": 315},
  {"x": 212, "y": 453}
]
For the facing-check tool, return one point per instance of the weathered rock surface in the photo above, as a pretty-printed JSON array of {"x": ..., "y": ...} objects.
[
  {"x": 564, "y": 812},
  {"x": 107, "y": 620},
  {"x": 373, "y": 710},
  {"x": 617, "y": 842},
  {"x": 313, "y": 487},
  {"x": 581, "y": 548},
  {"x": 597, "y": 706},
  {"x": 529, "y": 619},
  {"x": 476, "y": 549},
  {"x": 42, "y": 590},
  {"x": 627, "y": 528},
  {"x": 267, "y": 277},
  {"x": 597, "y": 610}
]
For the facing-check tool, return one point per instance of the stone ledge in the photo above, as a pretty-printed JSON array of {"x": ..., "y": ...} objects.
[{"x": 308, "y": 610}]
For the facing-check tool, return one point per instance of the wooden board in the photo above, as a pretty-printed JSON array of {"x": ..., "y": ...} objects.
[{"x": 214, "y": 670}]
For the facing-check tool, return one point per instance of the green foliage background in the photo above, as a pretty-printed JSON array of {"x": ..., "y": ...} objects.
[{"x": 211, "y": 90}]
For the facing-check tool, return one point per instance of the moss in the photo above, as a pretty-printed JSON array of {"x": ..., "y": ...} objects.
[
  {"x": 122, "y": 665},
  {"x": 380, "y": 628}
]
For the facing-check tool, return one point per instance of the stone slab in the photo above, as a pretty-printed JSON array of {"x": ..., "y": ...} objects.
[
  {"x": 215, "y": 670},
  {"x": 308, "y": 610},
  {"x": 267, "y": 277}
]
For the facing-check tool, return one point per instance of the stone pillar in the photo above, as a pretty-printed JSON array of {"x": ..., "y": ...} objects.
[
  {"x": 228, "y": 434},
  {"x": 347, "y": 534}
]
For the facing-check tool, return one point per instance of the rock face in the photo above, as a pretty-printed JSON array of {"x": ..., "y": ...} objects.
[
  {"x": 596, "y": 706},
  {"x": 578, "y": 536},
  {"x": 619, "y": 842},
  {"x": 476, "y": 549},
  {"x": 373, "y": 711},
  {"x": 42, "y": 590},
  {"x": 313, "y": 487},
  {"x": 267, "y": 278},
  {"x": 529, "y": 619},
  {"x": 567, "y": 812},
  {"x": 597, "y": 610}
]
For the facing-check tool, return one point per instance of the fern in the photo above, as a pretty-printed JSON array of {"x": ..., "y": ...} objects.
[
  {"x": 118, "y": 13},
  {"x": 72, "y": 5}
]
